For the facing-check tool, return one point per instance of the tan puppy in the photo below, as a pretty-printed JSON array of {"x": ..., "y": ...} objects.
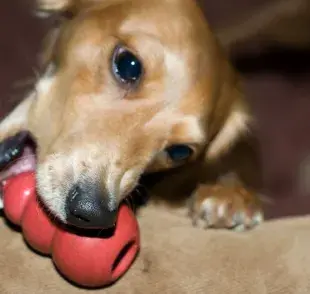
[{"x": 130, "y": 87}]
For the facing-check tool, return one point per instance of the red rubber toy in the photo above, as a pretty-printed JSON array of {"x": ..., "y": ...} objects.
[{"x": 86, "y": 261}]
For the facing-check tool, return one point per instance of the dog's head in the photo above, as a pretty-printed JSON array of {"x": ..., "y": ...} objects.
[{"x": 130, "y": 87}]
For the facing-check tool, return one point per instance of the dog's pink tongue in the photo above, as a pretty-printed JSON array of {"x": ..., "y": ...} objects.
[{"x": 25, "y": 163}]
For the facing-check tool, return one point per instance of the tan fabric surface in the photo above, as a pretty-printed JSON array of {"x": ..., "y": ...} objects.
[{"x": 177, "y": 258}]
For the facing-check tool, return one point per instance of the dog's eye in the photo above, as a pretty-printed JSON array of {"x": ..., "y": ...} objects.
[
  {"x": 179, "y": 153},
  {"x": 126, "y": 66}
]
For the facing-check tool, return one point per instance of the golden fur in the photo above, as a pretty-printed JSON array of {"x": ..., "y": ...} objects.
[{"x": 84, "y": 123}]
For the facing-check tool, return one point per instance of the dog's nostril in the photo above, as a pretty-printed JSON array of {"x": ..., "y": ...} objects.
[
  {"x": 88, "y": 208},
  {"x": 82, "y": 218},
  {"x": 77, "y": 215}
]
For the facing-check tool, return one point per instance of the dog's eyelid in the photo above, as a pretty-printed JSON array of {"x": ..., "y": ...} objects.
[
  {"x": 177, "y": 154},
  {"x": 192, "y": 145},
  {"x": 123, "y": 47}
]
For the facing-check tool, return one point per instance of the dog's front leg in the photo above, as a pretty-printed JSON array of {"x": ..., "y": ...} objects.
[
  {"x": 13, "y": 135},
  {"x": 225, "y": 205}
]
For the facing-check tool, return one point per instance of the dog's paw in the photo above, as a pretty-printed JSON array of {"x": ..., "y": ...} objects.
[{"x": 225, "y": 207}]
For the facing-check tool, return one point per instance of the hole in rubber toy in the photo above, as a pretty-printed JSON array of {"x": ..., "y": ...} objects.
[{"x": 124, "y": 259}]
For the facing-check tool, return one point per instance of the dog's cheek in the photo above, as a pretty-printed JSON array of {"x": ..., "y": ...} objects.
[{"x": 129, "y": 181}]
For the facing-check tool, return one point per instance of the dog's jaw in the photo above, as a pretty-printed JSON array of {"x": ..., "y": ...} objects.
[{"x": 59, "y": 172}]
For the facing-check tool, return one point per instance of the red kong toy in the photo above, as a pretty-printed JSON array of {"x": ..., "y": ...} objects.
[{"x": 86, "y": 261}]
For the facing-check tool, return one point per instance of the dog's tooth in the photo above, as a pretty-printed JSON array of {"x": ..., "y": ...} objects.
[
  {"x": 10, "y": 155},
  {"x": 15, "y": 151}
]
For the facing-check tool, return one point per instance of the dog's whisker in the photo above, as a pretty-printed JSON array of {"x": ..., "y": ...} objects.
[
  {"x": 24, "y": 83},
  {"x": 38, "y": 210},
  {"x": 36, "y": 73}
]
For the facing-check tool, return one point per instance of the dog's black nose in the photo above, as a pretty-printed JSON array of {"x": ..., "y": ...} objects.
[{"x": 88, "y": 208}]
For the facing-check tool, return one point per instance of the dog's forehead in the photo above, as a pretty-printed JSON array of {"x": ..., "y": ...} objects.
[
  {"x": 161, "y": 21},
  {"x": 174, "y": 21},
  {"x": 177, "y": 27}
]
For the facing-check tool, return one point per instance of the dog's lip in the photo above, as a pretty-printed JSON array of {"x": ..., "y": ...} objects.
[
  {"x": 138, "y": 196},
  {"x": 25, "y": 163}
]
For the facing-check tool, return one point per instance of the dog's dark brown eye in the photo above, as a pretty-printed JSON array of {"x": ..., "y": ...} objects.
[
  {"x": 126, "y": 66},
  {"x": 179, "y": 153}
]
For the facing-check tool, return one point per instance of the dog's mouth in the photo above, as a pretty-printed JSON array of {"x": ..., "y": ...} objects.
[{"x": 17, "y": 155}]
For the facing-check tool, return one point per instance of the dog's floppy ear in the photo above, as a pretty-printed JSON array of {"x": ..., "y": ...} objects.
[
  {"x": 46, "y": 8},
  {"x": 61, "y": 7},
  {"x": 230, "y": 116},
  {"x": 66, "y": 8},
  {"x": 61, "y": 11}
]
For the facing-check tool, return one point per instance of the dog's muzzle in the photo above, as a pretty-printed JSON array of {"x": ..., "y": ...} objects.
[{"x": 88, "y": 208}]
